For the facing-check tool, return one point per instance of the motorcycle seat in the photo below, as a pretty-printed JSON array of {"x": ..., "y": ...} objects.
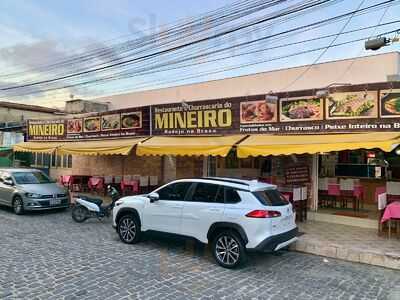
[{"x": 96, "y": 201}]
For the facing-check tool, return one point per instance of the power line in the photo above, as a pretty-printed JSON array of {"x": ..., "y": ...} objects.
[
  {"x": 325, "y": 49},
  {"x": 312, "y": 25},
  {"x": 260, "y": 62},
  {"x": 166, "y": 50},
  {"x": 362, "y": 49}
]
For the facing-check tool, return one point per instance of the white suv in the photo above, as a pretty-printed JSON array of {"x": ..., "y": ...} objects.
[{"x": 234, "y": 215}]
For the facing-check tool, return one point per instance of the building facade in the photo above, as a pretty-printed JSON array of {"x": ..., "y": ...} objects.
[{"x": 336, "y": 127}]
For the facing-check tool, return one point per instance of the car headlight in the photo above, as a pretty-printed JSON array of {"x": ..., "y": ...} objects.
[{"x": 33, "y": 195}]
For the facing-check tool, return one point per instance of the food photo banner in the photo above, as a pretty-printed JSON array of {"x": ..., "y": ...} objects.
[
  {"x": 357, "y": 111},
  {"x": 112, "y": 124},
  {"x": 337, "y": 112}
]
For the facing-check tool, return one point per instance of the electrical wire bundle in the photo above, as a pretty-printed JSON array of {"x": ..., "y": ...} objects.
[{"x": 185, "y": 49}]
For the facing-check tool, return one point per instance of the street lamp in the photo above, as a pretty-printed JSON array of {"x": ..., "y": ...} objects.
[
  {"x": 376, "y": 44},
  {"x": 379, "y": 42}
]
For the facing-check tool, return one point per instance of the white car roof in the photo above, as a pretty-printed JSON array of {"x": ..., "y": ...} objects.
[
  {"x": 248, "y": 185},
  {"x": 11, "y": 170}
]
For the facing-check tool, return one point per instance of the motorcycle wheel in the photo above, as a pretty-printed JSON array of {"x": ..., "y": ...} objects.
[{"x": 80, "y": 213}]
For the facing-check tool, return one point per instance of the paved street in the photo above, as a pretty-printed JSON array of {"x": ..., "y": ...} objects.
[{"x": 48, "y": 256}]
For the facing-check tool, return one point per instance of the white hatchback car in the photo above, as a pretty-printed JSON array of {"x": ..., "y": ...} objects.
[{"x": 234, "y": 215}]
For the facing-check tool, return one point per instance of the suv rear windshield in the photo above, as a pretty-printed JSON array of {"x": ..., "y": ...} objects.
[
  {"x": 271, "y": 198},
  {"x": 31, "y": 178}
]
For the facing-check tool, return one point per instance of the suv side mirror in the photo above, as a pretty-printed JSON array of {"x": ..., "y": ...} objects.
[
  {"x": 8, "y": 181},
  {"x": 153, "y": 197}
]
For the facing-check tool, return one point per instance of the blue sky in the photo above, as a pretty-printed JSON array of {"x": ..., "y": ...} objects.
[{"x": 36, "y": 32}]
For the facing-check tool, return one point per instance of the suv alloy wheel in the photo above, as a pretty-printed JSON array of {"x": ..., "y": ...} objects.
[
  {"x": 228, "y": 249},
  {"x": 129, "y": 229}
]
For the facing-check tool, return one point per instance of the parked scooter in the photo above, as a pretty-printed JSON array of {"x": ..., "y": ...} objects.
[{"x": 86, "y": 207}]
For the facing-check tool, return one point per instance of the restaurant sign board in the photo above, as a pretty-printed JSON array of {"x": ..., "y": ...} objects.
[
  {"x": 339, "y": 112},
  {"x": 208, "y": 117},
  {"x": 114, "y": 124}
]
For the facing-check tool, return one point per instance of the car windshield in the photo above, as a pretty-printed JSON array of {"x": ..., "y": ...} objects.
[
  {"x": 31, "y": 178},
  {"x": 271, "y": 197}
]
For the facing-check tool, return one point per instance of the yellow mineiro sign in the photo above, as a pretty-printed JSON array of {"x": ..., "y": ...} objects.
[
  {"x": 194, "y": 119},
  {"x": 46, "y": 129}
]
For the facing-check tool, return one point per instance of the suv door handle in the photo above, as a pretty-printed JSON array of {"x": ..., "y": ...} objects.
[
  {"x": 176, "y": 206},
  {"x": 215, "y": 209}
]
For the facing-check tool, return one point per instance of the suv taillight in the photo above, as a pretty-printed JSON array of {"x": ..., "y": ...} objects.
[{"x": 263, "y": 214}]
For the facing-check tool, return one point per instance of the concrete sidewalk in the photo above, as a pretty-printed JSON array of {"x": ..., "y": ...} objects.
[{"x": 349, "y": 243}]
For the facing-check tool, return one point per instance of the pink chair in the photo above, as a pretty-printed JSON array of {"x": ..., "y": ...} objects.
[
  {"x": 358, "y": 193},
  {"x": 127, "y": 185},
  {"x": 334, "y": 193},
  {"x": 96, "y": 184},
  {"x": 65, "y": 180}
]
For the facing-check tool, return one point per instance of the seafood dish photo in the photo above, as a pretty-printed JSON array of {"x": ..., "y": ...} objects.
[
  {"x": 257, "y": 112},
  {"x": 92, "y": 124},
  {"x": 74, "y": 126},
  {"x": 301, "y": 109},
  {"x": 111, "y": 122},
  {"x": 390, "y": 104},
  {"x": 131, "y": 120},
  {"x": 352, "y": 105}
]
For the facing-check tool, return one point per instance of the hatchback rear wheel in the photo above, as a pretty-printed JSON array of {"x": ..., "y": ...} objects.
[{"x": 228, "y": 249}]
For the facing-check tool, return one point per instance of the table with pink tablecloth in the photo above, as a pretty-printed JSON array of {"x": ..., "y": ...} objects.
[
  {"x": 392, "y": 211},
  {"x": 96, "y": 183},
  {"x": 66, "y": 179},
  {"x": 134, "y": 184}
]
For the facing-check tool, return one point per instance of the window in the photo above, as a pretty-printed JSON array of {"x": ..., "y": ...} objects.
[
  {"x": 231, "y": 196},
  {"x": 220, "y": 198},
  {"x": 271, "y": 198},
  {"x": 211, "y": 166},
  {"x": 175, "y": 191},
  {"x": 58, "y": 161},
  {"x": 46, "y": 160},
  {"x": 69, "y": 163},
  {"x": 53, "y": 161},
  {"x": 205, "y": 192},
  {"x": 31, "y": 177},
  {"x": 39, "y": 159}
]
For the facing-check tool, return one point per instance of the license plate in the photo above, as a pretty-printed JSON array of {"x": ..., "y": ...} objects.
[
  {"x": 55, "y": 201},
  {"x": 282, "y": 225}
]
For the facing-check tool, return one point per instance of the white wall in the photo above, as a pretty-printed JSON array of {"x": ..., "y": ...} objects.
[{"x": 370, "y": 69}]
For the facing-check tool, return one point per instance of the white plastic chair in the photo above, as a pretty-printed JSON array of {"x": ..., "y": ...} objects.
[
  {"x": 393, "y": 188},
  {"x": 108, "y": 179},
  {"x": 144, "y": 183},
  {"x": 346, "y": 184},
  {"x": 127, "y": 178},
  {"x": 382, "y": 201},
  {"x": 117, "y": 179},
  {"x": 304, "y": 193},
  {"x": 297, "y": 194},
  {"x": 153, "y": 181},
  {"x": 323, "y": 184}
]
